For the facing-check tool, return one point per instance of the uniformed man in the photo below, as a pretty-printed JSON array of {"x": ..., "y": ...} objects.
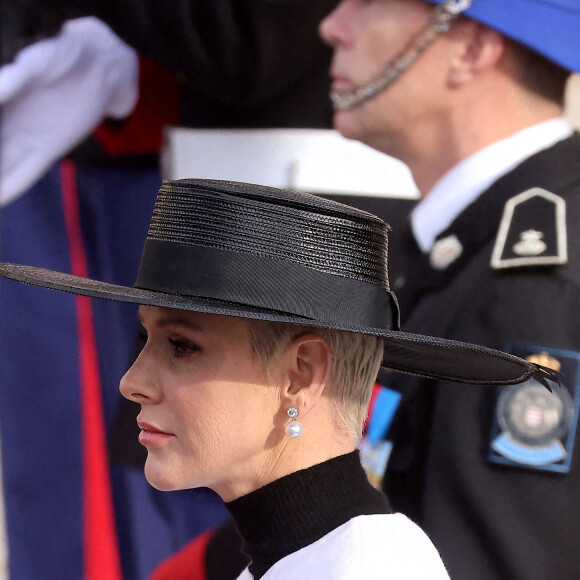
[{"x": 470, "y": 95}]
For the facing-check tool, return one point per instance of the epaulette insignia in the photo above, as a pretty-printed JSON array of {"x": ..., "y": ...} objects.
[{"x": 532, "y": 231}]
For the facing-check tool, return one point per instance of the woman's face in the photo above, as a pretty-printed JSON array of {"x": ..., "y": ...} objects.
[{"x": 209, "y": 415}]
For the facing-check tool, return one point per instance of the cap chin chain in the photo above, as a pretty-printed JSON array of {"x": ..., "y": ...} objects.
[{"x": 439, "y": 22}]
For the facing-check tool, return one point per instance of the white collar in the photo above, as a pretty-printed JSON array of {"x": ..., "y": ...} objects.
[{"x": 465, "y": 182}]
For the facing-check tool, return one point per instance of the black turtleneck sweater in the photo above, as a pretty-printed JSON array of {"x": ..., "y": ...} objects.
[{"x": 299, "y": 509}]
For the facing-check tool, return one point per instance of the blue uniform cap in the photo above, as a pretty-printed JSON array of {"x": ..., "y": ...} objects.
[{"x": 550, "y": 27}]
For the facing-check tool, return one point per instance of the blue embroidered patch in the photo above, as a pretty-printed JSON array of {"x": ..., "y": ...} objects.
[{"x": 534, "y": 428}]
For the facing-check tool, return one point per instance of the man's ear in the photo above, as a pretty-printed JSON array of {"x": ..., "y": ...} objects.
[
  {"x": 309, "y": 360},
  {"x": 480, "y": 49}
]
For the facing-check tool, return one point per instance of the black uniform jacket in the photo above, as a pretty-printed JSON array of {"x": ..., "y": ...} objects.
[{"x": 489, "y": 521}]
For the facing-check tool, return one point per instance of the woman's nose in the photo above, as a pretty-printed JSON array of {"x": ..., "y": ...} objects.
[{"x": 138, "y": 383}]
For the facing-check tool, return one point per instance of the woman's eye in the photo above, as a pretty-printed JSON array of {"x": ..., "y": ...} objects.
[{"x": 181, "y": 347}]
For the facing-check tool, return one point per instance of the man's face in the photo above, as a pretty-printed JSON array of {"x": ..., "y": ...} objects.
[{"x": 366, "y": 35}]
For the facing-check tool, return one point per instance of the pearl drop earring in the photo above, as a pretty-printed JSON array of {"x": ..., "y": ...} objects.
[{"x": 294, "y": 428}]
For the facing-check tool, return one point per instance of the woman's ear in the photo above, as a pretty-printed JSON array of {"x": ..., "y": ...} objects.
[
  {"x": 480, "y": 48},
  {"x": 309, "y": 360}
]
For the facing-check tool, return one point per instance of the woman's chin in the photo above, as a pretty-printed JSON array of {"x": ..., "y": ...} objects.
[{"x": 161, "y": 478}]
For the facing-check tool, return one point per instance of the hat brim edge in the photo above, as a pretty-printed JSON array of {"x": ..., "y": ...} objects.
[{"x": 421, "y": 355}]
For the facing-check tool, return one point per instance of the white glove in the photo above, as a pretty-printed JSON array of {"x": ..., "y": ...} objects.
[{"x": 55, "y": 93}]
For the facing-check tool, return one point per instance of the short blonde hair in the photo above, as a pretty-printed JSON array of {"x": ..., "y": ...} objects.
[{"x": 355, "y": 364}]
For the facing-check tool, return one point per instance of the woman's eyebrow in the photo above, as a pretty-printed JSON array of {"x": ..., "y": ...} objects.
[{"x": 177, "y": 321}]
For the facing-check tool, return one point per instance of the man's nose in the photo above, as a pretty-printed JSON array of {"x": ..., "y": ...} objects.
[{"x": 330, "y": 29}]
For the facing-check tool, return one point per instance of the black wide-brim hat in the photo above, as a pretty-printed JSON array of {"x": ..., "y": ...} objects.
[{"x": 250, "y": 251}]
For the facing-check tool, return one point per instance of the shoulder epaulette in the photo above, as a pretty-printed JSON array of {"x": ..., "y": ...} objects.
[{"x": 532, "y": 231}]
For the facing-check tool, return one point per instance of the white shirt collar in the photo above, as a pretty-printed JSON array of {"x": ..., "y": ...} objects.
[{"x": 465, "y": 182}]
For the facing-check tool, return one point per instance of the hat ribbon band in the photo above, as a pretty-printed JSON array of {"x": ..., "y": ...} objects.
[{"x": 266, "y": 283}]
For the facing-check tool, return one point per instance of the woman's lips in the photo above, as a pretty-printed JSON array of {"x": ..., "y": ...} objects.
[{"x": 151, "y": 435}]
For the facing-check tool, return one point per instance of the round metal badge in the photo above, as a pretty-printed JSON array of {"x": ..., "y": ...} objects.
[{"x": 532, "y": 415}]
